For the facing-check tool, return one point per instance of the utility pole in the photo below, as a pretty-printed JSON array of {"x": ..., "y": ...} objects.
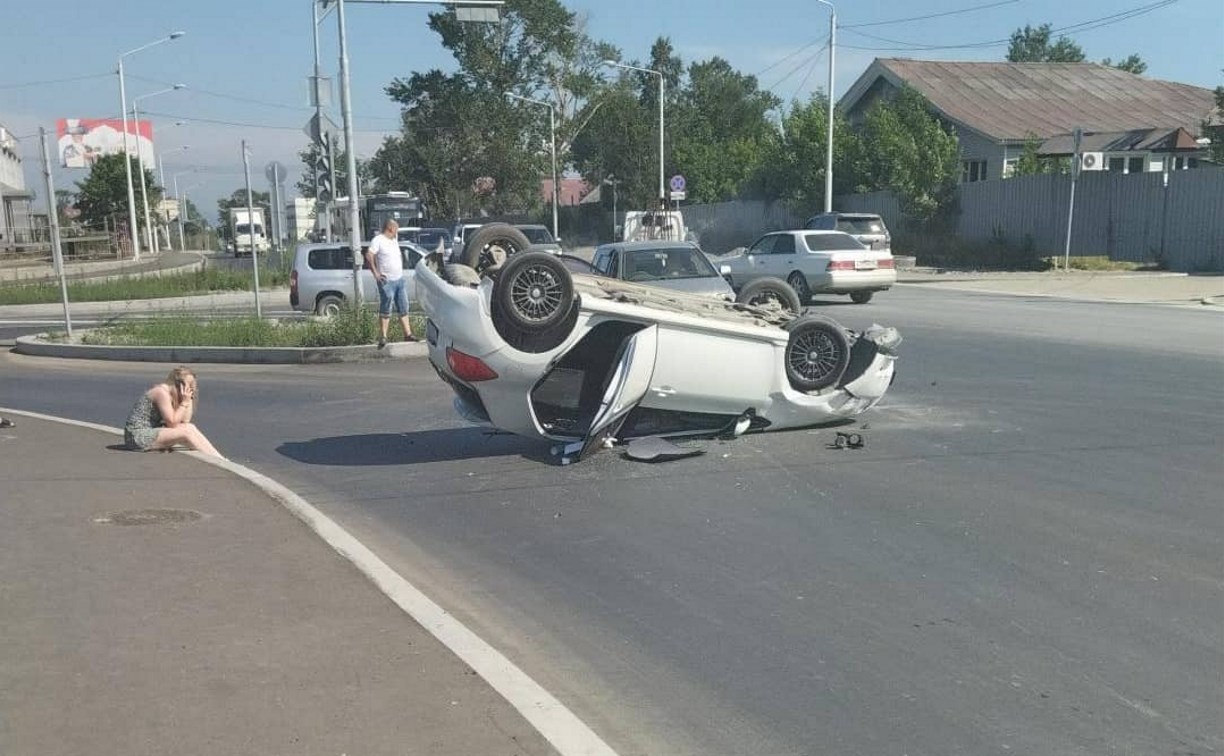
[
  {"x": 828, "y": 194},
  {"x": 246, "y": 169},
  {"x": 354, "y": 191},
  {"x": 57, "y": 254},
  {"x": 1078, "y": 136}
]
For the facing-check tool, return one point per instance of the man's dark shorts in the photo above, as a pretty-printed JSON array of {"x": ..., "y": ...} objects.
[{"x": 392, "y": 292}]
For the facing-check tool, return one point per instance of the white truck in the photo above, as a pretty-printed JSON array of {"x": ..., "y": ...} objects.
[
  {"x": 654, "y": 225},
  {"x": 245, "y": 227}
]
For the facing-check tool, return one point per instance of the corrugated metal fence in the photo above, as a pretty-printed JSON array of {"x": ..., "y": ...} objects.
[{"x": 1125, "y": 217}]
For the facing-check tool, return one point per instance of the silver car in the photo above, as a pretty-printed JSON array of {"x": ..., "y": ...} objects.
[
  {"x": 826, "y": 262},
  {"x": 680, "y": 266},
  {"x": 322, "y": 277}
]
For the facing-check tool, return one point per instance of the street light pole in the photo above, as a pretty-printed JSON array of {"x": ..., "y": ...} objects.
[
  {"x": 346, "y": 112},
  {"x": 323, "y": 207},
  {"x": 57, "y": 254},
  {"x": 150, "y": 237},
  {"x": 246, "y": 170},
  {"x": 182, "y": 207},
  {"x": 552, "y": 133},
  {"x": 127, "y": 155},
  {"x": 662, "y": 80},
  {"x": 161, "y": 172},
  {"x": 828, "y": 198}
]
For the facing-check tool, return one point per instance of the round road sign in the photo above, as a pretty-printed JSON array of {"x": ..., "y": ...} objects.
[{"x": 677, "y": 183}]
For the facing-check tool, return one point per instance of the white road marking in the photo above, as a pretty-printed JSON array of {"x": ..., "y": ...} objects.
[{"x": 560, "y": 726}]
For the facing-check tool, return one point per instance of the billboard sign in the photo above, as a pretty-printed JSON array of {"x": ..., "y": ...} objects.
[{"x": 81, "y": 141}]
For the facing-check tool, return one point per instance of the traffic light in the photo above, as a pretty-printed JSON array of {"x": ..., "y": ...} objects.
[{"x": 323, "y": 169}]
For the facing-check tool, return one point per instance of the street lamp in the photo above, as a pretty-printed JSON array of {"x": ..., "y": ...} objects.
[
  {"x": 150, "y": 237},
  {"x": 475, "y": 10},
  {"x": 552, "y": 131},
  {"x": 182, "y": 206},
  {"x": 662, "y": 193},
  {"x": 161, "y": 172},
  {"x": 828, "y": 198},
  {"x": 127, "y": 160}
]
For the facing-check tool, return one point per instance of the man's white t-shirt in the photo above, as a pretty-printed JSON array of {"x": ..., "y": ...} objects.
[{"x": 388, "y": 256}]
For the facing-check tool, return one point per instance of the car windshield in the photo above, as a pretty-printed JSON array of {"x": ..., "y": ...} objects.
[
  {"x": 244, "y": 228},
  {"x": 666, "y": 263},
  {"x": 860, "y": 225},
  {"x": 537, "y": 234},
  {"x": 830, "y": 242}
]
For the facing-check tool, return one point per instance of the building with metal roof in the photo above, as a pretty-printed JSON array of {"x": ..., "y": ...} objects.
[{"x": 1136, "y": 123}]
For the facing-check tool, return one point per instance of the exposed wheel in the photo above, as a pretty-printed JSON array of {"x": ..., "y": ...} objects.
[
  {"x": 799, "y": 283},
  {"x": 329, "y": 305},
  {"x": 861, "y": 297},
  {"x": 534, "y": 292},
  {"x": 762, "y": 292},
  {"x": 491, "y": 245},
  {"x": 817, "y": 353}
]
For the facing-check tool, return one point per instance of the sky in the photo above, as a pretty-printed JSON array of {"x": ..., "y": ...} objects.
[{"x": 246, "y": 63}]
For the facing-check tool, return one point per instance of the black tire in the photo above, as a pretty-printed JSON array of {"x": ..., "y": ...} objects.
[
  {"x": 763, "y": 291},
  {"x": 329, "y": 305},
  {"x": 817, "y": 353},
  {"x": 861, "y": 297},
  {"x": 799, "y": 283},
  {"x": 492, "y": 245},
  {"x": 533, "y": 293}
]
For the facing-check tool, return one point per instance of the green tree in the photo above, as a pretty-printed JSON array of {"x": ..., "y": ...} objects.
[
  {"x": 1131, "y": 64},
  {"x": 721, "y": 130},
  {"x": 1213, "y": 128},
  {"x": 622, "y": 142},
  {"x": 906, "y": 150},
  {"x": 794, "y": 165},
  {"x": 102, "y": 196},
  {"x": 1032, "y": 45},
  {"x": 460, "y": 128}
]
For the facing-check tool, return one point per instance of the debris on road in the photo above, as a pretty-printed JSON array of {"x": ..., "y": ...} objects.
[{"x": 658, "y": 449}]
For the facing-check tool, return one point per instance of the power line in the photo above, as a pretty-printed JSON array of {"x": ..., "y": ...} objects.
[
  {"x": 806, "y": 61},
  {"x": 806, "y": 76},
  {"x": 54, "y": 81},
  {"x": 253, "y": 101},
  {"x": 930, "y": 15},
  {"x": 1095, "y": 23},
  {"x": 816, "y": 41},
  {"x": 247, "y": 125}
]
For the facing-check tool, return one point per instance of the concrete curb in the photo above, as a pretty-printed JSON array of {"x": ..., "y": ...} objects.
[
  {"x": 968, "y": 287},
  {"x": 105, "y": 274},
  {"x": 551, "y": 718},
  {"x": 38, "y": 346}
]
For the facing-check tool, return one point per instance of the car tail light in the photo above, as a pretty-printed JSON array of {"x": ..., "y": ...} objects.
[
  {"x": 293, "y": 286},
  {"x": 885, "y": 262},
  {"x": 468, "y": 368},
  {"x": 841, "y": 265}
]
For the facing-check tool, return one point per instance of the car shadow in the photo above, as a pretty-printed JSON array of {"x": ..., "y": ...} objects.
[
  {"x": 419, "y": 447},
  {"x": 819, "y": 301}
]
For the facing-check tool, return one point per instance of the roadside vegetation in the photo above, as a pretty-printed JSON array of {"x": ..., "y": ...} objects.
[
  {"x": 206, "y": 281},
  {"x": 350, "y": 327}
]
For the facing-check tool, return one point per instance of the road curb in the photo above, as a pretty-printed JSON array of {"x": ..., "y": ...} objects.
[
  {"x": 1211, "y": 302},
  {"x": 560, "y": 726},
  {"x": 38, "y": 346}
]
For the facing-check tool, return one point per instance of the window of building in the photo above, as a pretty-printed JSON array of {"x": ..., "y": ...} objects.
[
  {"x": 1117, "y": 164},
  {"x": 1135, "y": 165},
  {"x": 973, "y": 170}
]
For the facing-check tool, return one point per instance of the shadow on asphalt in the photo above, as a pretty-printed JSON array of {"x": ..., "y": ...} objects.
[{"x": 449, "y": 445}]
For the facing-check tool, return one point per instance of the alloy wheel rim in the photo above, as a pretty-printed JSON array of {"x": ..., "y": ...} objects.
[
  {"x": 813, "y": 355},
  {"x": 536, "y": 293}
]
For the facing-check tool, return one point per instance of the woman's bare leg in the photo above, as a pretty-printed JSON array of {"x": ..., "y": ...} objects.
[{"x": 186, "y": 434}]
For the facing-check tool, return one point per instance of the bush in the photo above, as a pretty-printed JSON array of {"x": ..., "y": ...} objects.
[{"x": 945, "y": 251}]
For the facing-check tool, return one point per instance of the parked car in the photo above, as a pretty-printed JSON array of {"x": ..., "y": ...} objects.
[
  {"x": 680, "y": 266},
  {"x": 428, "y": 238},
  {"x": 460, "y": 235},
  {"x": 580, "y": 359},
  {"x": 540, "y": 237},
  {"x": 322, "y": 277},
  {"x": 868, "y": 228},
  {"x": 813, "y": 262}
]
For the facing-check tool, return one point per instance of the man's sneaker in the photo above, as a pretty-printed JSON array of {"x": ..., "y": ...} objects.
[{"x": 381, "y": 342}]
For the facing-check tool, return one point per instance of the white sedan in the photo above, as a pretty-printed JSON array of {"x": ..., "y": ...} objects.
[
  {"x": 813, "y": 262},
  {"x": 584, "y": 360}
]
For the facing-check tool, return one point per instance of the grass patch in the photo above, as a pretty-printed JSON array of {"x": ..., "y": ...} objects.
[
  {"x": 349, "y": 328},
  {"x": 1099, "y": 262},
  {"x": 204, "y": 281}
]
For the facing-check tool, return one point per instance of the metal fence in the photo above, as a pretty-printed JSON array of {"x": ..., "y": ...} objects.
[{"x": 1131, "y": 217}]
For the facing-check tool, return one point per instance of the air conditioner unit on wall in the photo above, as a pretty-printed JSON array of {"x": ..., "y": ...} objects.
[{"x": 1092, "y": 161}]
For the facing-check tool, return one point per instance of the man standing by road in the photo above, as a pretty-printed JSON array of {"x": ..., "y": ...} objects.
[{"x": 387, "y": 264}]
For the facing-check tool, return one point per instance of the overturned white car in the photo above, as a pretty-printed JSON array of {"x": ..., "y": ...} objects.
[{"x": 537, "y": 350}]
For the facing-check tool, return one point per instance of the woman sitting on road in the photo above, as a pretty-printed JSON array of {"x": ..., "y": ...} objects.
[{"x": 162, "y": 416}]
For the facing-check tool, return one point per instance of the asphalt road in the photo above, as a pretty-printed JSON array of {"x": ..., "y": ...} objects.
[{"x": 1026, "y": 558}]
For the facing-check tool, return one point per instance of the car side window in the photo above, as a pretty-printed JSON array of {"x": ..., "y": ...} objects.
[
  {"x": 332, "y": 258},
  {"x": 411, "y": 257},
  {"x": 763, "y": 246},
  {"x": 785, "y": 245}
]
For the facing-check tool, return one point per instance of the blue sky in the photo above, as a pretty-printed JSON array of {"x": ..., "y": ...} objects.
[{"x": 258, "y": 55}]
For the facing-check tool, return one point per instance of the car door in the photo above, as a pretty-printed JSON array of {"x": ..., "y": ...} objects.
[
  {"x": 756, "y": 259},
  {"x": 783, "y": 257},
  {"x": 625, "y": 387}
]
